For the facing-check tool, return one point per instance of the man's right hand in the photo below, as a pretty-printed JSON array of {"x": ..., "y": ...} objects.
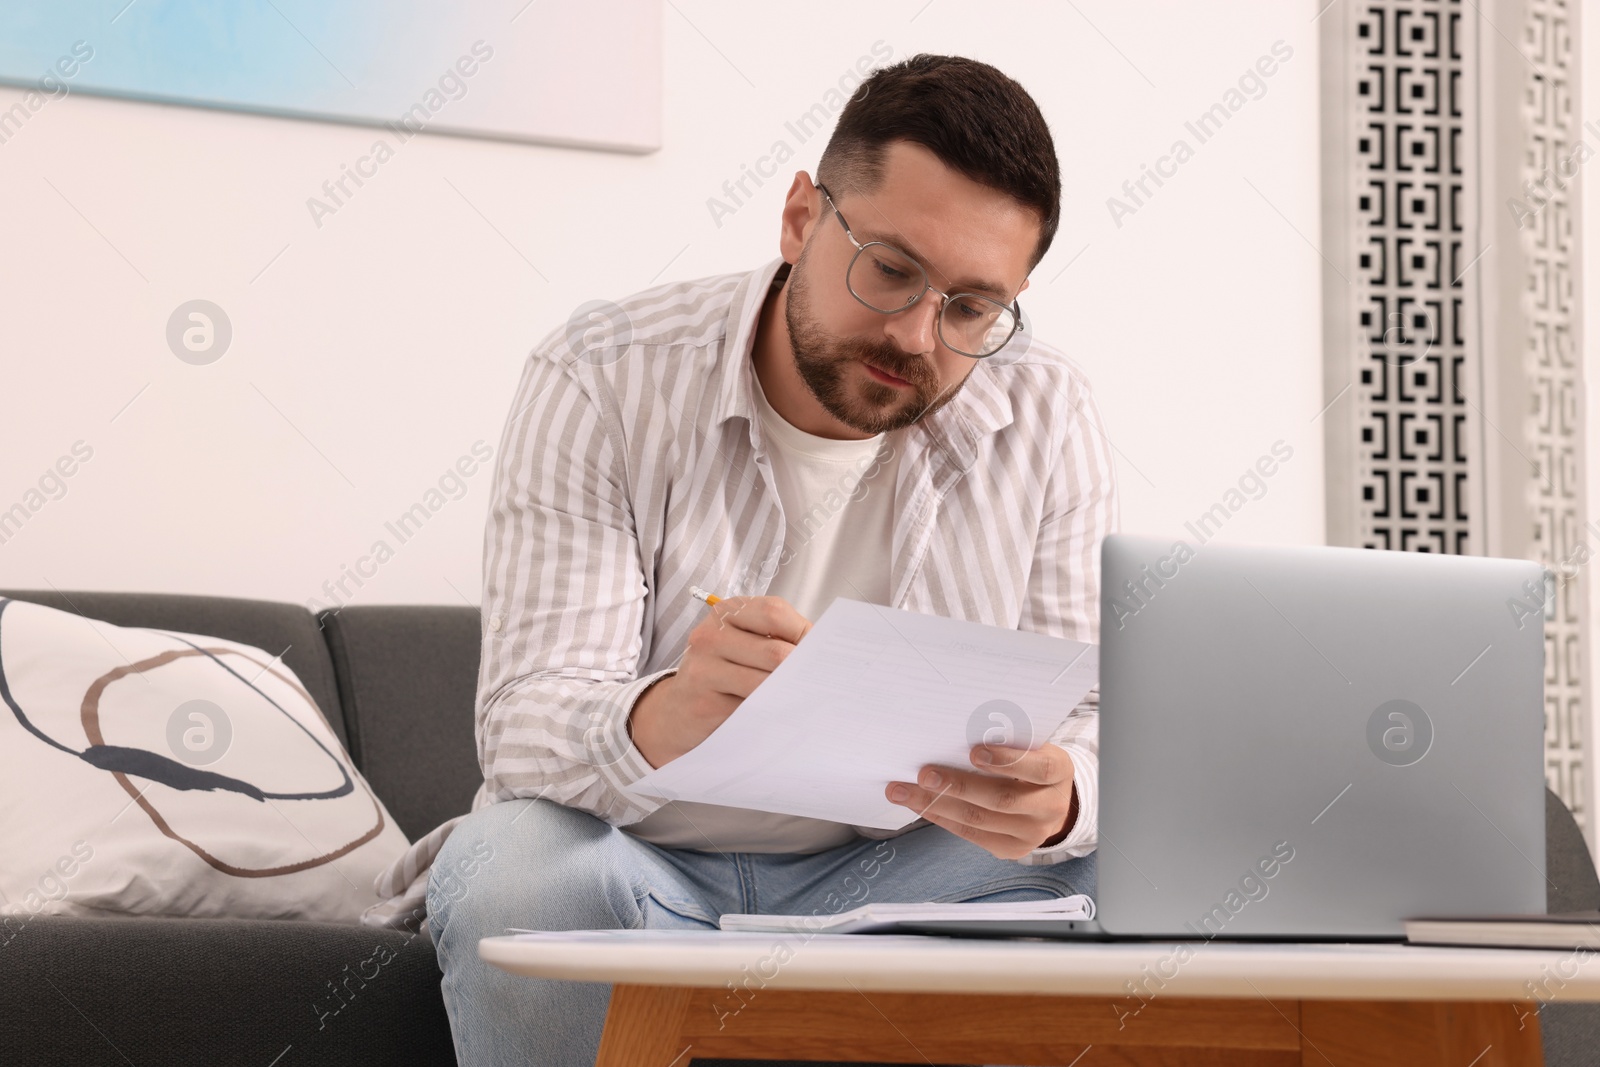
[{"x": 741, "y": 640}]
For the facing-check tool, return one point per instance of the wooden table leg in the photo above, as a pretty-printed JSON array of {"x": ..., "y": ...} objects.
[
  {"x": 655, "y": 1026},
  {"x": 644, "y": 1025},
  {"x": 1481, "y": 1034}
]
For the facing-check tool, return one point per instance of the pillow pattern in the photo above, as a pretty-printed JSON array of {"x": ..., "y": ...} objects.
[{"x": 147, "y": 772}]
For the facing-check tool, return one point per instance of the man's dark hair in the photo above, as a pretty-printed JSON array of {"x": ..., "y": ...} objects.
[{"x": 979, "y": 123}]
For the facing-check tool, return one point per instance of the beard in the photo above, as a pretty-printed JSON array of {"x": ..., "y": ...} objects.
[{"x": 856, "y": 399}]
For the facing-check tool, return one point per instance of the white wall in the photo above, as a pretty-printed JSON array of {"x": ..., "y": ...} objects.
[{"x": 376, "y": 349}]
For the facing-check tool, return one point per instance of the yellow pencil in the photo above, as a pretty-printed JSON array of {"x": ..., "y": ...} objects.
[{"x": 700, "y": 594}]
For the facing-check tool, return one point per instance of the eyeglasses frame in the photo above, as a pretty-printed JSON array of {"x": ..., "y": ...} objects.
[{"x": 1015, "y": 309}]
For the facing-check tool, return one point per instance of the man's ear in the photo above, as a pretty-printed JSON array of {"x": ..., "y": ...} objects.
[
  {"x": 801, "y": 210},
  {"x": 1025, "y": 283}
]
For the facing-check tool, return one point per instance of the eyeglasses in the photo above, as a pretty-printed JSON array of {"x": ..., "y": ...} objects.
[{"x": 888, "y": 281}]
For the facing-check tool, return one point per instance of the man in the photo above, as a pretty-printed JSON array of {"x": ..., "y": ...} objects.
[{"x": 863, "y": 418}]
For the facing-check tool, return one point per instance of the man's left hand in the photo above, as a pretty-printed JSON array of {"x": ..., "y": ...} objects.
[{"x": 1018, "y": 799}]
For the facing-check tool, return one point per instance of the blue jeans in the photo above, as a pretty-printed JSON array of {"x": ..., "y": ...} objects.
[{"x": 541, "y": 866}]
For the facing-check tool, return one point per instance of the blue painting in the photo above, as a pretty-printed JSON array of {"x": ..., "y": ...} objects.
[{"x": 584, "y": 75}]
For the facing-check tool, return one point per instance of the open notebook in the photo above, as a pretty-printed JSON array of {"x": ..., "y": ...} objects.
[{"x": 879, "y": 918}]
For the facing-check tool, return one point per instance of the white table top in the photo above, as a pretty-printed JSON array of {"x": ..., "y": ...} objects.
[{"x": 896, "y": 963}]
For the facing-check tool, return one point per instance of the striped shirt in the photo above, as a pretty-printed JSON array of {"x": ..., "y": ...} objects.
[{"x": 631, "y": 469}]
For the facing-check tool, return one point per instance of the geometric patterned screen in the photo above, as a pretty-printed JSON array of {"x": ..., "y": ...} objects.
[
  {"x": 1419, "y": 439},
  {"x": 1413, "y": 473},
  {"x": 1552, "y": 362}
]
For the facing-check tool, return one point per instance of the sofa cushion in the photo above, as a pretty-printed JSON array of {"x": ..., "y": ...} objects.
[
  {"x": 161, "y": 773},
  {"x": 286, "y": 630},
  {"x": 202, "y": 992},
  {"x": 408, "y": 677}
]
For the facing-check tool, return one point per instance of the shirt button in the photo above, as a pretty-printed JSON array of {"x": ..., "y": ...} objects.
[{"x": 494, "y": 623}]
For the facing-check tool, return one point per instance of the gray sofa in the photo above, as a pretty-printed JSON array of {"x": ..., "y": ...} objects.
[{"x": 397, "y": 683}]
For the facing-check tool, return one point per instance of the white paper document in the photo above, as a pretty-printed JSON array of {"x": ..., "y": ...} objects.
[{"x": 870, "y": 696}]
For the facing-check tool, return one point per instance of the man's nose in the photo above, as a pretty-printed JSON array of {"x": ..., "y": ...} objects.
[{"x": 915, "y": 328}]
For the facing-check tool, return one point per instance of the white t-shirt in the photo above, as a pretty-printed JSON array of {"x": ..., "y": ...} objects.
[{"x": 838, "y": 510}]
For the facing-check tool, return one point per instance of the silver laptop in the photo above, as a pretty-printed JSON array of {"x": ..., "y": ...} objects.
[{"x": 1311, "y": 742}]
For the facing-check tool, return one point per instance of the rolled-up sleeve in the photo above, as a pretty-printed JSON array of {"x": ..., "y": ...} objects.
[
  {"x": 564, "y": 603},
  {"x": 1064, "y": 592}
]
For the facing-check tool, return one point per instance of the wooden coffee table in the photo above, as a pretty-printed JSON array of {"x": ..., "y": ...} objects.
[{"x": 678, "y": 995}]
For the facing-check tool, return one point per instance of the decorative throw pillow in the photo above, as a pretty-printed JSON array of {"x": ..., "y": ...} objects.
[{"x": 145, "y": 772}]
